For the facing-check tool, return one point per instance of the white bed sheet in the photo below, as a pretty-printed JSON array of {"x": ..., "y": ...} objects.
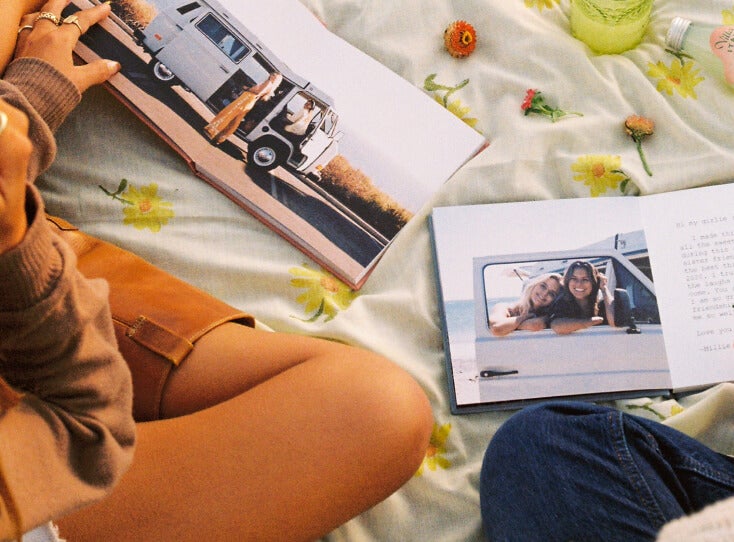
[{"x": 202, "y": 237}]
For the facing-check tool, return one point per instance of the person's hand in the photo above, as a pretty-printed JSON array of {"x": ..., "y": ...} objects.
[
  {"x": 15, "y": 151},
  {"x": 45, "y": 35},
  {"x": 603, "y": 281},
  {"x": 13, "y": 11}
]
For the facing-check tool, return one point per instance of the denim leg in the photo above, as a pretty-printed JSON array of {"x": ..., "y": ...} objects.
[{"x": 577, "y": 471}]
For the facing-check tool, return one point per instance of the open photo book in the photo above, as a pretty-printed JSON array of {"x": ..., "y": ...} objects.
[
  {"x": 316, "y": 139},
  {"x": 523, "y": 321}
]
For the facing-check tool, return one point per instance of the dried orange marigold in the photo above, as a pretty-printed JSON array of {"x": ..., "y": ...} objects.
[
  {"x": 460, "y": 39},
  {"x": 638, "y": 126}
]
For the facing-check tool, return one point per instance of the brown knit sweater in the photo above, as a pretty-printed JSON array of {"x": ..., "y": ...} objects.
[{"x": 66, "y": 426}]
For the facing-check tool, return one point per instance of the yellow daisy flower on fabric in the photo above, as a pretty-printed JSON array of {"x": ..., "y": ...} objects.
[
  {"x": 600, "y": 172},
  {"x": 147, "y": 209},
  {"x": 541, "y": 4},
  {"x": 680, "y": 77},
  {"x": 728, "y": 16},
  {"x": 143, "y": 208},
  {"x": 661, "y": 410},
  {"x": 325, "y": 295},
  {"x": 458, "y": 109},
  {"x": 436, "y": 449},
  {"x": 442, "y": 93}
]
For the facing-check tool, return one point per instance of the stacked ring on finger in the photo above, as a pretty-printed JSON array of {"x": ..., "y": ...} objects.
[
  {"x": 50, "y": 16},
  {"x": 73, "y": 19},
  {"x": 25, "y": 27}
]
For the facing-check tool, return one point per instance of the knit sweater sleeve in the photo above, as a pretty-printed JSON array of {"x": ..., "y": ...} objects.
[
  {"x": 712, "y": 524},
  {"x": 47, "y": 97},
  {"x": 66, "y": 427}
]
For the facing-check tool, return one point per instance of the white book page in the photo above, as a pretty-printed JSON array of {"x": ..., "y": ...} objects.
[
  {"x": 536, "y": 237},
  {"x": 690, "y": 236},
  {"x": 392, "y": 125}
]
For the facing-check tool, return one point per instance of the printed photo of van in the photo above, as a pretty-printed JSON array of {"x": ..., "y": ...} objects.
[
  {"x": 627, "y": 356},
  {"x": 201, "y": 47}
]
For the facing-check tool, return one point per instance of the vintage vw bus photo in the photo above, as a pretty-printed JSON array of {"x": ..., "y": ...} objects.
[
  {"x": 291, "y": 131},
  {"x": 624, "y": 351},
  {"x": 200, "y": 46}
]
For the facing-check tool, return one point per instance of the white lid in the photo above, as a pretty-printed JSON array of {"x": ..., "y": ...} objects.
[{"x": 676, "y": 33}]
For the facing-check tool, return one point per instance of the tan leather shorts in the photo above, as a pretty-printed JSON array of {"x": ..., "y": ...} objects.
[{"x": 157, "y": 317}]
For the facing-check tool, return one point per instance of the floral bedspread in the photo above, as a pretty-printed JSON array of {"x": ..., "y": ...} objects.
[{"x": 114, "y": 178}]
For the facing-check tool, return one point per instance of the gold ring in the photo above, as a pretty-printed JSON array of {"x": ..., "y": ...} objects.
[
  {"x": 3, "y": 121},
  {"x": 48, "y": 15},
  {"x": 73, "y": 19},
  {"x": 25, "y": 27}
]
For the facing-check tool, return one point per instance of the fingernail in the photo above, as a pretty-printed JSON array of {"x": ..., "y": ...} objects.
[{"x": 113, "y": 66}]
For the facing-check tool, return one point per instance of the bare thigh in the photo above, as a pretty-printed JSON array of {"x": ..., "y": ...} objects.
[
  {"x": 232, "y": 359},
  {"x": 297, "y": 454}
]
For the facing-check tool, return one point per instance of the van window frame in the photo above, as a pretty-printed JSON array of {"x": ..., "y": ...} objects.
[{"x": 246, "y": 49}]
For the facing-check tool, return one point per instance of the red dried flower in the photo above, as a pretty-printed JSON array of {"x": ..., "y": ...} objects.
[
  {"x": 528, "y": 102},
  {"x": 534, "y": 102}
]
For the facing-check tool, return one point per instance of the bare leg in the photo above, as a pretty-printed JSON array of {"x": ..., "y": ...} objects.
[
  {"x": 232, "y": 359},
  {"x": 326, "y": 432}
]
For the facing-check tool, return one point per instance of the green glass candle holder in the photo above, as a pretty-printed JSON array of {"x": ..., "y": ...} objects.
[{"x": 610, "y": 26}]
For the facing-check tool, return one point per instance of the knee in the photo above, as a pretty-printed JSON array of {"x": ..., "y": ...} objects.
[
  {"x": 538, "y": 437},
  {"x": 520, "y": 462},
  {"x": 405, "y": 412},
  {"x": 535, "y": 426},
  {"x": 388, "y": 405},
  {"x": 406, "y": 403}
]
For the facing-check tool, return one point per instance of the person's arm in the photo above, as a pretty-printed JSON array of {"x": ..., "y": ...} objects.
[
  {"x": 534, "y": 323},
  {"x": 70, "y": 436},
  {"x": 502, "y": 323},
  {"x": 563, "y": 321},
  {"x": 295, "y": 117},
  {"x": 43, "y": 80},
  {"x": 564, "y": 326},
  {"x": 66, "y": 426},
  {"x": 607, "y": 300}
]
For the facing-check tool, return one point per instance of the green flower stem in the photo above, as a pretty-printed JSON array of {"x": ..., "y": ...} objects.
[
  {"x": 431, "y": 86},
  {"x": 552, "y": 112},
  {"x": 638, "y": 144},
  {"x": 116, "y": 195}
]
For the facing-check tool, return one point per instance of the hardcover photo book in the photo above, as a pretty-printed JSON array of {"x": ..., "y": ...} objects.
[
  {"x": 319, "y": 141},
  {"x": 510, "y": 276}
]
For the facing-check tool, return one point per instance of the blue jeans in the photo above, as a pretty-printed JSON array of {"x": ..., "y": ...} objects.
[{"x": 576, "y": 471}]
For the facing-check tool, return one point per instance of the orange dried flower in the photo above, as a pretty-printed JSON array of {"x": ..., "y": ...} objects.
[
  {"x": 460, "y": 39},
  {"x": 638, "y": 128}
]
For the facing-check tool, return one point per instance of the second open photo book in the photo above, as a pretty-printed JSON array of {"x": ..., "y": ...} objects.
[
  {"x": 667, "y": 263},
  {"x": 323, "y": 144}
]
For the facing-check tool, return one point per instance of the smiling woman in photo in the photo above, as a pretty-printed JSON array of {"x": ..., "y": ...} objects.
[
  {"x": 529, "y": 312},
  {"x": 579, "y": 306}
]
